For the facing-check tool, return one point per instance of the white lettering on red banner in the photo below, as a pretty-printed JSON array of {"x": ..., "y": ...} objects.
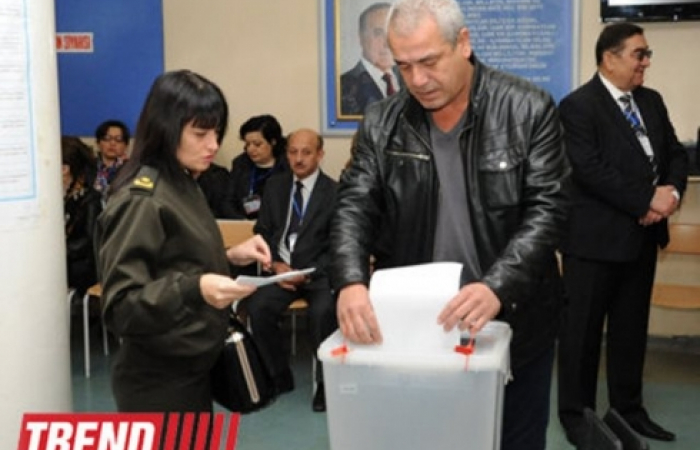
[
  {"x": 74, "y": 43},
  {"x": 127, "y": 431}
]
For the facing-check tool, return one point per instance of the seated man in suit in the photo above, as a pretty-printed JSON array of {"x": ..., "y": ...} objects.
[
  {"x": 375, "y": 76},
  {"x": 294, "y": 220}
]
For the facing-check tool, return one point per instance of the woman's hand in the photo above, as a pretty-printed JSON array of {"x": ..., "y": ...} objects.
[
  {"x": 252, "y": 250},
  {"x": 221, "y": 291}
]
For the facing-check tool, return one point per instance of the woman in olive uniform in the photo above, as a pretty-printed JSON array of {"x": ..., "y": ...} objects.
[{"x": 164, "y": 271}]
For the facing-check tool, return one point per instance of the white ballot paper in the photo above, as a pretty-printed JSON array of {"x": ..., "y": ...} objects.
[
  {"x": 407, "y": 302},
  {"x": 263, "y": 281}
]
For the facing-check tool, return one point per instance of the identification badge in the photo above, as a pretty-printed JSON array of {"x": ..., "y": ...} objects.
[
  {"x": 292, "y": 241},
  {"x": 251, "y": 204}
]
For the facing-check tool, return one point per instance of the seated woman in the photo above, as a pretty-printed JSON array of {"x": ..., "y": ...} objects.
[
  {"x": 81, "y": 206},
  {"x": 112, "y": 137},
  {"x": 263, "y": 156}
]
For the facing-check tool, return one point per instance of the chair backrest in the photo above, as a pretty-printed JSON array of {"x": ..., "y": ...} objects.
[
  {"x": 235, "y": 231},
  {"x": 685, "y": 238}
]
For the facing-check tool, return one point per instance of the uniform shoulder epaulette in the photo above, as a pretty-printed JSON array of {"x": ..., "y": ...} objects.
[{"x": 145, "y": 180}]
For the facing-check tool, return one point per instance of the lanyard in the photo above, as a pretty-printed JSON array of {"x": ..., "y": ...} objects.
[{"x": 256, "y": 177}]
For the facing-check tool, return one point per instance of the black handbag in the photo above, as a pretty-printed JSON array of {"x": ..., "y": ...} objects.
[{"x": 241, "y": 381}]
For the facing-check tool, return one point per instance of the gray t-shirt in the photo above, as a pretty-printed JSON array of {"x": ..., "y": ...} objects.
[{"x": 454, "y": 239}]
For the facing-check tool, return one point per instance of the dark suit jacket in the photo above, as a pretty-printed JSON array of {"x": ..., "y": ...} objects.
[
  {"x": 612, "y": 175},
  {"x": 358, "y": 90},
  {"x": 312, "y": 244},
  {"x": 241, "y": 179}
]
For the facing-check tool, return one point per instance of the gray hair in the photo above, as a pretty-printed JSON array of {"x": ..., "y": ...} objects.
[{"x": 405, "y": 16}]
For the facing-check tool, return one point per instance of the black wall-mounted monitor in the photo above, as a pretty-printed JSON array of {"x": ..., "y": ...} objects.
[{"x": 649, "y": 10}]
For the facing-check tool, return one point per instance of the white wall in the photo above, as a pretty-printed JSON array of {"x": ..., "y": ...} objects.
[{"x": 34, "y": 332}]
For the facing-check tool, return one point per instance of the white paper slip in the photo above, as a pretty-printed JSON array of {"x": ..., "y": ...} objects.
[
  {"x": 407, "y": 301},
  {"x": 264, "y": 281}
]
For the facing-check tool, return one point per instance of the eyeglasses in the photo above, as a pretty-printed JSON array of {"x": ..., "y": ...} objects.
[
  {"x": 108, "y": 138},
  {"x": 642, "y": 53}
]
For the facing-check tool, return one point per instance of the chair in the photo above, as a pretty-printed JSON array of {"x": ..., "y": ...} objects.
[
  {"x": 685, "y": 240},
  {"x": 94, "y": 291},
  {"x": 294, "y": 308},
  {"x": 235, "y": 231}
]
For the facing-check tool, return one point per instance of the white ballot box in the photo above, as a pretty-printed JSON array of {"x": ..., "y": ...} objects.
[
  {"x": 418, "y": 399},
  {"x": 415, "y": 391}
]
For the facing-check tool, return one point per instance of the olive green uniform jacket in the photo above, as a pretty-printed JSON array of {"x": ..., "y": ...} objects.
[{"x": 155, "y": 239}]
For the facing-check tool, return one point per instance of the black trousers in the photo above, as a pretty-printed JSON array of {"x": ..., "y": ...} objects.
[
  {"x": 146, "y": 383},
  {"x": 266, "y": 307},
  {"x": 526, "y": 405},
  {"x": 599, "y": 291}
]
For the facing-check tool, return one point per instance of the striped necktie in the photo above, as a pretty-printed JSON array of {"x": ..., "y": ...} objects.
[
  {"x": 636, "y": 124},
  {"x": 631, "y": 115}
]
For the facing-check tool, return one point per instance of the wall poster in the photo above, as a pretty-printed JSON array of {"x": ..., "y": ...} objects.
[{"x": 536, "y": 39}]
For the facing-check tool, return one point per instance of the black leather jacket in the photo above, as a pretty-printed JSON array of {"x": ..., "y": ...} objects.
[{"x": 517, "y": 180}]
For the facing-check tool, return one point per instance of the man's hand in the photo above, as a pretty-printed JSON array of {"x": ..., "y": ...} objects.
[
  {"x": 290, "y": 284},
  {"x": 664, "y": 202},
  {"x": 650, "y": 218},
  {"x": 220, "y": 291},
  {"x": 473, "y": 306},
  {"x": 356, "y": 315}
]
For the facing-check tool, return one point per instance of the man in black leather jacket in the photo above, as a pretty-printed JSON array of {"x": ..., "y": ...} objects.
[{"x": 468, "y": 165}]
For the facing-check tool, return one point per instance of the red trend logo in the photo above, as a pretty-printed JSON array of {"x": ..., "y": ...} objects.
[{"x": 149, "y": 431}]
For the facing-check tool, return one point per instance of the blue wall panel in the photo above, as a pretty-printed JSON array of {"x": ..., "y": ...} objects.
[{"x": 112, "y": 82}]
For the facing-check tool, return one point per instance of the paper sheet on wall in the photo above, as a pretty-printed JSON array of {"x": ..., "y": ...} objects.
[
  {"x": 407, "y": 302},
  {"x": 18, "y": 183}
]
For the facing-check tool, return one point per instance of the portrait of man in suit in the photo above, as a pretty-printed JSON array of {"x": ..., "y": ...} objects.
[
  {"x": 374, "y": 77},
  {"x": 629, "y": 173},
  {"x": 294, "y": 220}
]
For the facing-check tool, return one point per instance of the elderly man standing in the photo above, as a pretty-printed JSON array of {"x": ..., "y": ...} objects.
[
  {"x": 629, "y": 173},
  {"x": 466, "y": 165}
]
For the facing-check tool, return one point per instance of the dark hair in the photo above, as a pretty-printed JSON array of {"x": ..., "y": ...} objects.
[
  {"x": 104, "y": 127},
  {"x": 175, "y": 99},
  {"x": 613, "y": 37},
  {"x": 271, "y": 130},
  {"x": 369, "y": 10},
  {"x": 79, "y": 158}
]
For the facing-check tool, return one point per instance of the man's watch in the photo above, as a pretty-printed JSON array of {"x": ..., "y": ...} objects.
[{"x": 676, "y": 194}]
